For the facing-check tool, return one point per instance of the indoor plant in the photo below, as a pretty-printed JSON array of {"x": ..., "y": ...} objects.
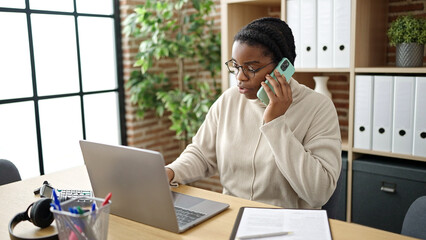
[
  {"x": 177, "y": 30},
  {"x": 408, "y": 34}
]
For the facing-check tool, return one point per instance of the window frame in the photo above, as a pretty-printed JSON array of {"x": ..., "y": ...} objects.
[{"x": 36, "y": 98}]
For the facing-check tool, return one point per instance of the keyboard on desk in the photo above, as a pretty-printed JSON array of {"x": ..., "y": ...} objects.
[
  {"x": 185, "y": 216},
  {"x": 67, "y": 194}
]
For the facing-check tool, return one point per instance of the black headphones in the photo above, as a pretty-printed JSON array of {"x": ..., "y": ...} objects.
[{"x": 40, "y": 215}]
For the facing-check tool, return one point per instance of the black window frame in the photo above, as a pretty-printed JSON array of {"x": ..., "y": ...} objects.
[{"x": 36, "y": 98}]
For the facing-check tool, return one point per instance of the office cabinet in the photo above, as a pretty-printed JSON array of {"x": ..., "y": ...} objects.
[
  {"x": 383, "y": 190},
  {"x": 368, "y": 49}
]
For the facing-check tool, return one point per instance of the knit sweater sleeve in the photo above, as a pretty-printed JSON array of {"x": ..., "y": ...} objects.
[
  {"x": 312, "y": 166},
  {"x": 198, "y": 160}
]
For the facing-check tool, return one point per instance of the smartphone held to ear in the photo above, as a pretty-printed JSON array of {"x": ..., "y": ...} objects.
[{"x": 284, "y": 68}]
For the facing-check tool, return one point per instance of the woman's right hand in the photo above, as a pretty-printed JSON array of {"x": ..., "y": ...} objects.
[{"x": 279, "y": 101}]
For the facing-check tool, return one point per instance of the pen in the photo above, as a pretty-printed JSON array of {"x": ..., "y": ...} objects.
[
  {"x": 107, "y": 198},
  {"x": 79, "y": 210},
  {"x": 263, "y": 235},
  {"x": 55, "y": 198},
  {"x": 93, "y": 214},
  {"x": 53, "y": 205}
]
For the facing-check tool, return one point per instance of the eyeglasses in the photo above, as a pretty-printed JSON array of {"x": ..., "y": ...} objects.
[{"x": 249, "y": 72}]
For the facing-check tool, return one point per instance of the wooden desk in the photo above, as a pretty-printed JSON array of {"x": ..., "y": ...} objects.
[{"x": 16, "y": 197}]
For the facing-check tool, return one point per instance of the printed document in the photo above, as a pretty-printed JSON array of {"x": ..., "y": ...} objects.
[{"x": 277, "y": 223}]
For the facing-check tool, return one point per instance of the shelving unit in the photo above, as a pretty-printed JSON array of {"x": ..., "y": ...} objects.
[{"x": 368, "y": 56}]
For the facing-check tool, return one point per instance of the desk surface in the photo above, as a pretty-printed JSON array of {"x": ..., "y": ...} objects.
[{"x": 16, "y": 197}]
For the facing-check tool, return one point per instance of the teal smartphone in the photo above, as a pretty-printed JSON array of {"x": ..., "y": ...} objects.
[{"x": 284, "y": 68}]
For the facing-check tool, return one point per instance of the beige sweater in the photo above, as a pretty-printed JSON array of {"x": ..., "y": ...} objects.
[{"x": 293, "y": 161}]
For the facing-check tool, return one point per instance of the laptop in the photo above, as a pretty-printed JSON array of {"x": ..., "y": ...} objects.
[{"x": 140, "y": 188}]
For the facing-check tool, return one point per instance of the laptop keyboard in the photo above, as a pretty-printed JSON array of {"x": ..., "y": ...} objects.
[{"x": 185, "y": 216}]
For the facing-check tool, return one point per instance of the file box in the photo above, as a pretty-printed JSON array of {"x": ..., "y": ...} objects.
[{"x": 383, "y": 190}]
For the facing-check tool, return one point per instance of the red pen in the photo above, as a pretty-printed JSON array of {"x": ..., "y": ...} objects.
[{"x": 107, "y": 198}]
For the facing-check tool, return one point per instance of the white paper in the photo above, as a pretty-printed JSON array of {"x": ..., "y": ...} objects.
[{"x": 302, "y": 224}]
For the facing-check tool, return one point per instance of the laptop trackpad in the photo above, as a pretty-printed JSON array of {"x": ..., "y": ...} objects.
[{"x": 185, "y": 201}]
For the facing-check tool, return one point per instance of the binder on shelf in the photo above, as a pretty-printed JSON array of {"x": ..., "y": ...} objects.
[
  {"x": 403, "y": 114},
  {"x": 308, "y": 33},
  {"x": 419, "y": 139},
  {"x": 382, "y": 113},
  {"x": 293, "y": 21},
  {"x": 363, "y": 111},
  {"x": 325, "y": 34},
  {"x": 342, "y": 33}
]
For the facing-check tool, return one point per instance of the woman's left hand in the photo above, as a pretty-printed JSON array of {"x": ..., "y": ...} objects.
[{"x": 279, "y": 101}]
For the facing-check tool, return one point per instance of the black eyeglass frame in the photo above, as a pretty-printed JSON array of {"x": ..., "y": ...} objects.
[{"x": 254, "y": 71}]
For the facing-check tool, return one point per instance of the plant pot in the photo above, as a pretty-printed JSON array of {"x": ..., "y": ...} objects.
[{"x": 409, "y": 55}]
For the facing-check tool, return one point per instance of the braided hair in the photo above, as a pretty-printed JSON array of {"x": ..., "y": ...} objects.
[{"x": 273, "y": 34}]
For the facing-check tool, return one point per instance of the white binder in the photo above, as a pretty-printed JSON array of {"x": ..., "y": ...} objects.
[
  {"x": 419, "y": 140},
  {"x": 403, "y": 114},
  {"x": 363, "y": 111},
  {"x": 342, "y": 33},
  {"x": 382, "y": 113},
  {"x": 308, "y": 33},
  {"x": 293, "y": 21},
  {"x": 325, "y": 34}
]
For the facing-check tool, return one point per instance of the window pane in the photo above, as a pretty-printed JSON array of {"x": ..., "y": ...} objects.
[
  {"x": 12, "y": 3},
  {"x": 15, "y": 66},
  {"x": 95, "y": 6},
  {"x": 97, "y": 49},
  {"x": 18, "y": 139},
  {"x": 52, "y": 5},
  {"x": 102, "y": 119},
  {"x": 61, "y": 129},
  {"x": 55, "y": 54}
]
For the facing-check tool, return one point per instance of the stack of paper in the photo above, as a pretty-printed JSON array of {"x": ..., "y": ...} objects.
[{"x": 278, "y": 223}]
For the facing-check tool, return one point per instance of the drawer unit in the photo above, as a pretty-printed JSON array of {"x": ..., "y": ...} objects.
[{"x": 383, "y": 190}]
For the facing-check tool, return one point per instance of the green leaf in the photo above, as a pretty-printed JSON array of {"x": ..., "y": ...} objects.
[
  {"x": 407, "y": 29},
  {"x": 196, "y": 4}
]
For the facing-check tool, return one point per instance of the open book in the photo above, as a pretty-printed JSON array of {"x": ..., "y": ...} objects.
[{"x": 278, "y": 223}]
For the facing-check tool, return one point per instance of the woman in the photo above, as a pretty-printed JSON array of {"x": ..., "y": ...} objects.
[{"x": 287, "y": 153}]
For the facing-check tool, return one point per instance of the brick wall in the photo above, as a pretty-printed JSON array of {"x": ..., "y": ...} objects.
[
  {"x": 151, "y": 132},
  {"x": 154, "y": 133}
]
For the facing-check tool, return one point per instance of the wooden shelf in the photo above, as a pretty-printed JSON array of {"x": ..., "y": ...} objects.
[
  {"x": 389, "y": 154},
  {"x": 391, "y": 70},
  {"x": 256, "y": 2},
  {"x": 345, "y": 145},
  {"x": 324, "y": 70}
]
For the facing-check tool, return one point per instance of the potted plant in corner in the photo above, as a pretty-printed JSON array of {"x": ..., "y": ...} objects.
[
  {"x": 180, "y": 32},
  {"x": 408, "y": 34}
]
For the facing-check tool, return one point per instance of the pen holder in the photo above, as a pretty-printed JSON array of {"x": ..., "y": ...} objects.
[{"x": 88, "y": 224}]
